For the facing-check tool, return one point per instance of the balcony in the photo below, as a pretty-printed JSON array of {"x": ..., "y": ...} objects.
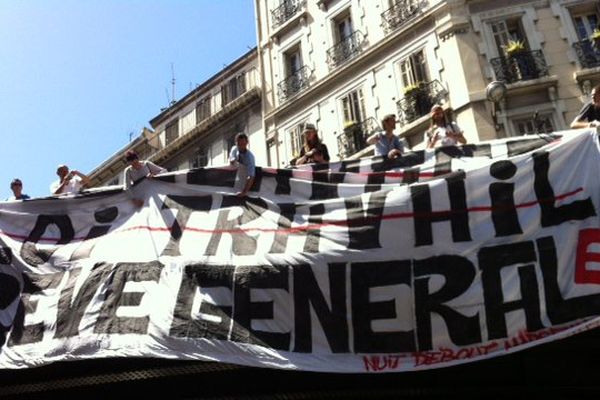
[
  {"x": 399, "y": 14},
  {"x": 285, "y": 12},
  {"x": 354, "y": 137},
  {"x": 418, "y": 101},
  {"x": 345, "y": 50},
  {"x": 293, "y": 84},
  {"x": 588, "y": 53},
  {"x": 525, "y": 65}
]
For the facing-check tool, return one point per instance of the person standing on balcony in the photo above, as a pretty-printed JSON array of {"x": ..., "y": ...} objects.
[
  {"x": 589, "y": 115},
  {"x": 313, "y": 150},
  {"x": 68, "y": 181},
  {"x": 138, "y": 170},
  {"x": 386, "y": 143},
  {"x": 240, "y": 154},
  {"x": 17, "y": 188},
  {"x": 443, "y": 132}
]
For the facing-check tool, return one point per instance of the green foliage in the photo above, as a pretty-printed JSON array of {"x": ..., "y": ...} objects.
[{"x": 514, "y": 47}]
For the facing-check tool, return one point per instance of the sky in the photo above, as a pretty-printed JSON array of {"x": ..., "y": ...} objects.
[{"x": 78, "y": 78}]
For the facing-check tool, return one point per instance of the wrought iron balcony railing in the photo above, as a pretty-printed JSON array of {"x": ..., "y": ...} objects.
[
  {"x": 522, "y": 66},
  {"x": 354, "y": 137},
  {"x": 588, "y": 53},
  {"x": 293, "y": 84},
  {"x": 345, "y": 50},
  {"x": 418, "y": 101},
  {"x": 285, "y": 11},
  {"x": 400, "y": 13}
]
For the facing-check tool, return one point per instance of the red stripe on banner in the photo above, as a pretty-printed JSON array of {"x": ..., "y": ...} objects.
[
  {"x": 400, "y": 174},
  {"x": 317, "y": 226}
]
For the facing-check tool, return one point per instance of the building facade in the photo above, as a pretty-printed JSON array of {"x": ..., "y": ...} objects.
[
  {"x": 344, "y": 64},
  {"x": 199, "y": 129}
]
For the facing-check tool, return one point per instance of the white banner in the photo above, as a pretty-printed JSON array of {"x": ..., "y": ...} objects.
[{"x": 438, "y": 258}]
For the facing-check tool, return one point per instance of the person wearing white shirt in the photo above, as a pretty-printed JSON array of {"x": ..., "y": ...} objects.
[
  {"x": 68, "y": 182},
  {"x": 443, "y": 132}
]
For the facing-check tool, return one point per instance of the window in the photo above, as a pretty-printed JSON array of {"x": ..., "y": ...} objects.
[
  {"x": 230, "y": 140},
  {"x": 203, "y": 110},
  {"x": 171, "y": 132},
  {"x": 232, "y": 89},
  {"x": 293, "y": 61},
  {"x": 353, "y": 107},
  {"x": 199, "y": 159},
  {"x": 296, "y": 140},
  {"x": 527, "y": 126},
  {"x": 414, "y": 69},
  {"x": 585, "y": 24},
  {"x": 343, "y": 27},
  {"x": 113, "y": 182},
  {"x": 505, "y": 30}
]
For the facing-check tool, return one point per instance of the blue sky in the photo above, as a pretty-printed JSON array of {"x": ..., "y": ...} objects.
[{"x": 76, "y": 77}]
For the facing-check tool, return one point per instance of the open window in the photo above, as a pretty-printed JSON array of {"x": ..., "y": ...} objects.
[{"x": 414, "y": 70}]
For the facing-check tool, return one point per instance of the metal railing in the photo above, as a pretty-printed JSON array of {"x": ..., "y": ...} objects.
[
  {"x": 345, "y": 50},
  {"x": 293, "y": 84},
  {"x": 588, "y": 53},
  {"x": 354, "y": 137},
  {"x": 522, "y": 66},
  {"x": 285, "y": 11},
  {"x": 400, "y": 13},
  {"x": 418, "y": 102}
]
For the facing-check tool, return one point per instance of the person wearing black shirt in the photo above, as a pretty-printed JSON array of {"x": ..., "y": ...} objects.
[
  {"x": 313, "y": 150},
  {"x": 589, "y": 116}
]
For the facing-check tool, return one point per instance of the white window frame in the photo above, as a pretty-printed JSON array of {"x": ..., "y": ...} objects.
[
  {"x": 410, "y": 60},
  {"x": 360, "y": 98},
  {"x": 481, "y": 23}
]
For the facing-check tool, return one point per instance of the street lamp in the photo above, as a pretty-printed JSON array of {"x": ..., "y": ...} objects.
[{"x": 495, "y": 93}]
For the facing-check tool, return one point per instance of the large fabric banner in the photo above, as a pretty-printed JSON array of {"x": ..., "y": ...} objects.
[{"x": 437, "y": 258}]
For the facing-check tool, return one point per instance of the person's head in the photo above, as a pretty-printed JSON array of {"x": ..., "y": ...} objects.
[
  {"x": 596, "y": 95},
  {"x": 311, "y": 136},
  {"x": 16, "y": 186},
  {"x": 132, "y": 158},
  {"x": 389, "y": 122},
  {"x": 437, "y": 114},
  {"x": 62, "y": 170},
  {"x": 241, "y": 141}
]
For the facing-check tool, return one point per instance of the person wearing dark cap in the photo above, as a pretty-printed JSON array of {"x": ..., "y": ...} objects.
[
  {"x": 17, "y": 188},
  {"x": 386, "y": 143},
  {"x": 313, "y": 150},
  {"x": 138, "y": 170},
  {"x": 68, "y": 182},
  {"x": 240, "y": 155}
]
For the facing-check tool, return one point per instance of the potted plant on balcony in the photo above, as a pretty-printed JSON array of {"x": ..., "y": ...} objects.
[
  {"x": 354, "y": 136},
  {"x": 595, "y": 39},
  {"x": 418, "y": 100},
  {"x": 514, "y": 47},
  {"x": 520, "y": 61}
]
